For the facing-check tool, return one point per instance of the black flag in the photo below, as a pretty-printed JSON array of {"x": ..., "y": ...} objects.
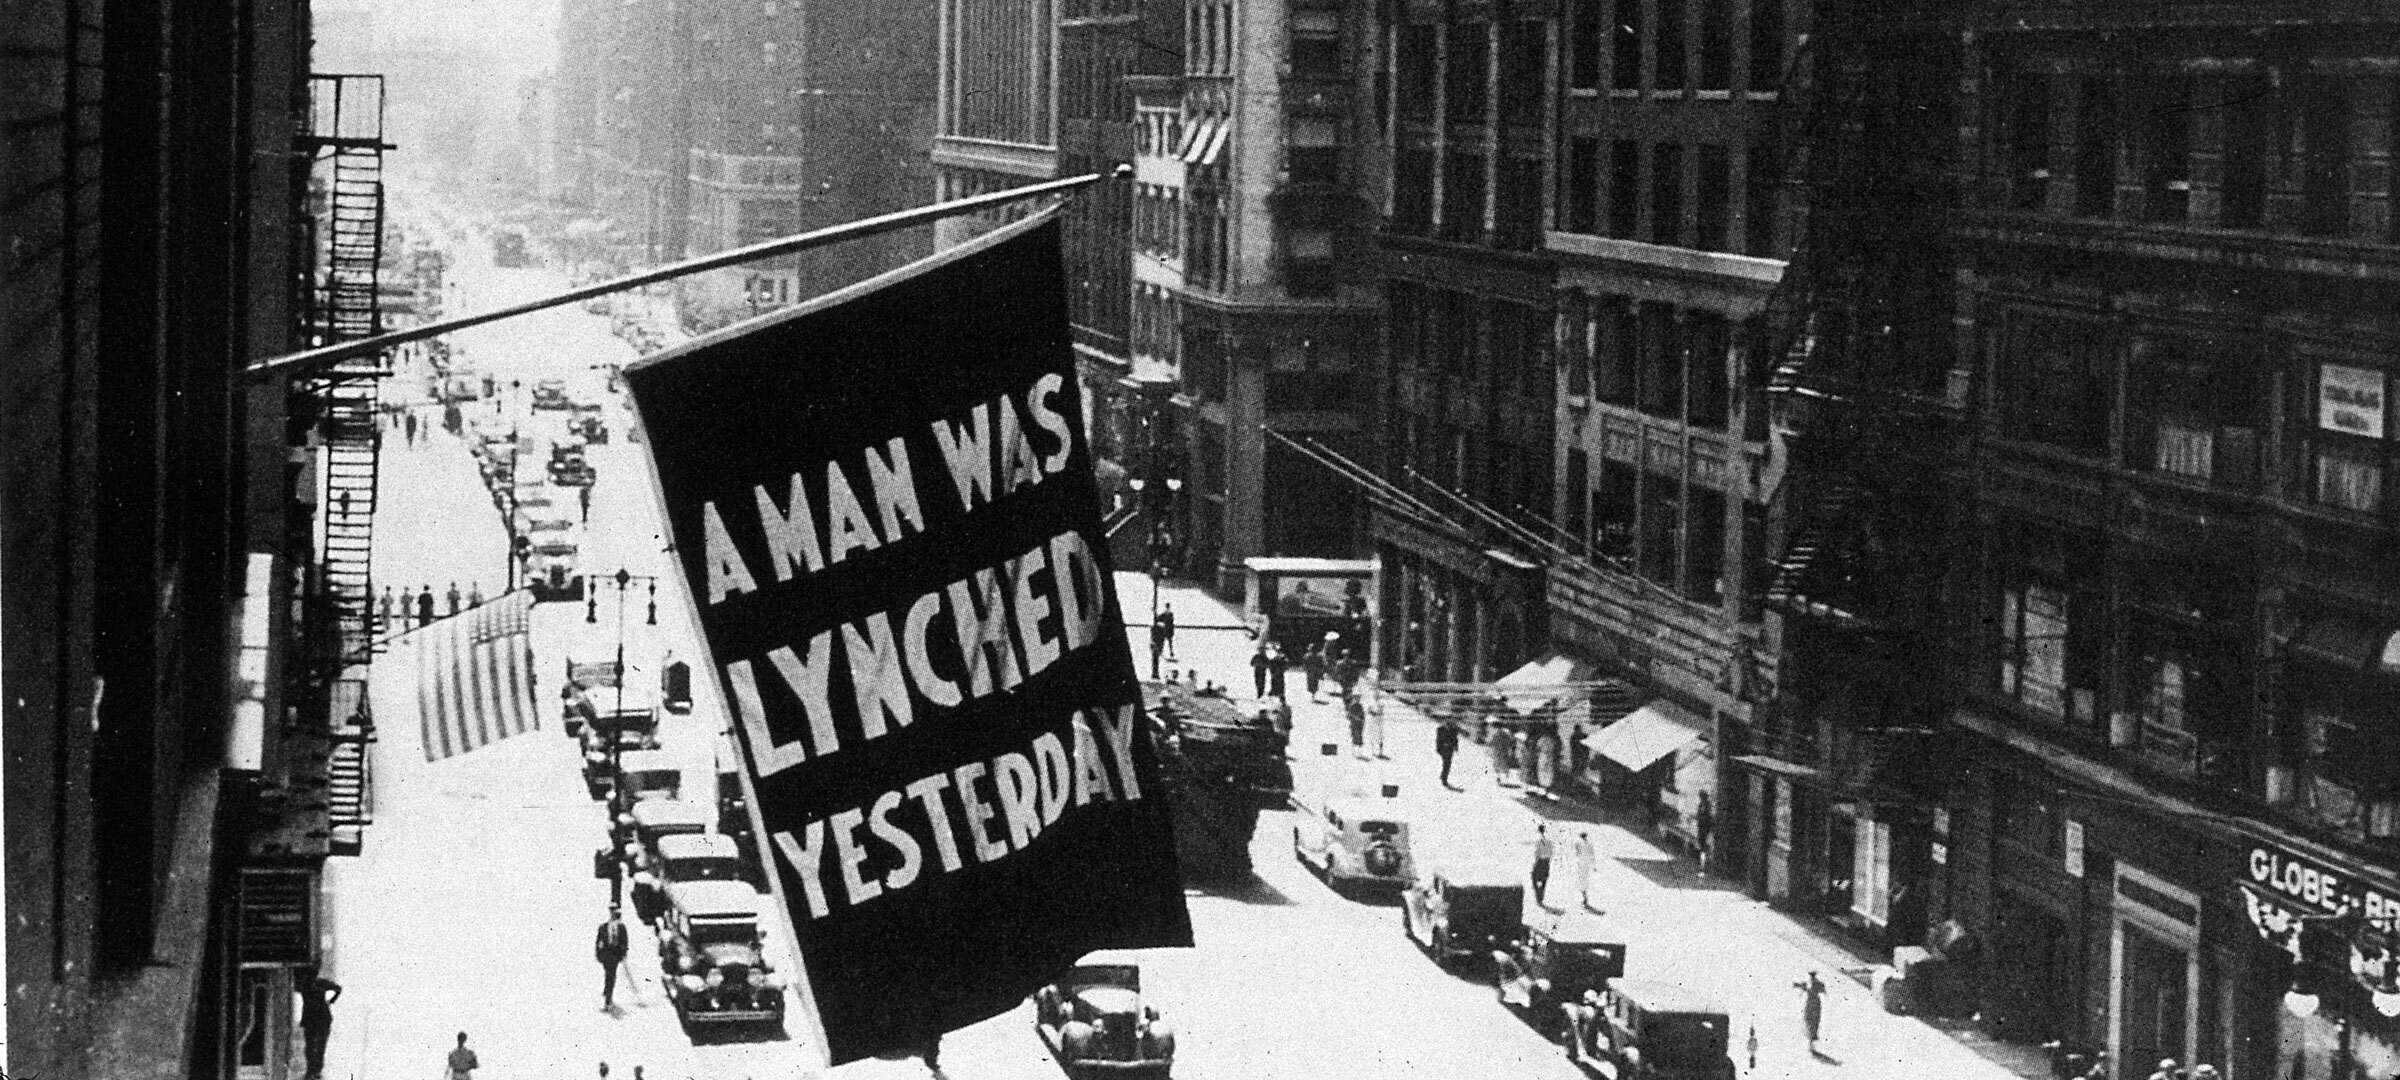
[{"x": 883, "y": 508}]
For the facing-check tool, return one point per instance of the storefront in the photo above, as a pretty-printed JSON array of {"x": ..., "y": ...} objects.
[{"x": 2338, "y": 933}]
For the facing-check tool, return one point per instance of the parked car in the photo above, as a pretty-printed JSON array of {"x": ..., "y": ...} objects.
[
  {"x": 1644, "y": 1030},
  {"x": 1353, "y": 840},
  {"x": 550, "y": 571},
  {"x": 584, "y": 678},
  {"x": 647, "y": 775},
  {"x": 630, "y": 729},
  {"x": 1464, "y": 909},
  {"x": 1548, "y": 969},
  {"x": 645, "y": 824},
  {"x": 551, "y": 394},
  {"x": 711, "y": 954},
  {"x": 568, "y": 467},
  {"x": 1095, "y": 1022},
  {"x": 733, "y": 812}
]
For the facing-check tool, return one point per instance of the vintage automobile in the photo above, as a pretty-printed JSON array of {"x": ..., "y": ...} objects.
[
  {"x": 1463, "y": 909},
  {"x": 1353, "y": 840},
  {"x": 630, "y": 729},
  {"x": 1546, "y": 971},
  {"x": 550, "y": 570},
  {"x": 733, "y": 812},
  {"x": 641, "y": 827},
  {"x": 568, "y": 467},
  {"x": 587, "y": 424},
  {"x": 1644, "y": 1030},
  {"x": 585, "y": 678},
  {"x": 1096, "y": 1024},
  {"x": 551, "y": 394},
  {"x": 711, "y": 954},
  {"x": 645, "y": 775}
]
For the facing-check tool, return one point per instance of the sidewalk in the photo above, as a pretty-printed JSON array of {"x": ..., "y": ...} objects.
[{"x": 1737, "y": 948}]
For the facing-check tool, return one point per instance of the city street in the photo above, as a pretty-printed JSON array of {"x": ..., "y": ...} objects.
[{"x": 1289, "y": 980}]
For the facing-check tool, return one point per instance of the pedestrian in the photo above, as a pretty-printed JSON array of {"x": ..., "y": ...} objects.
[
  {"x": 1156, "y": 646},
  {"x": 383, "y": 618},
  {"x": 2166, "y": 1070},
  {"x": 1584, "y": 858},
  {"x": 1445, "y": 747},
  {"x": 1541, "y": 864},
  {"x": 1356, "y": 711},
  {"x": 1704, "y": 830},
  {"x": 474, "y": 594},
  {"x": 1279, "y": 664},
  {"x": 609, "y": 946},
  {"x": 1258, "y": 671},
  {"x": 1812, "y": 1008},
  {"x": 583, "y": 495},
  {"x": 453, "y": 596},
  {"x": 425, "y": 607},
  {"x": 462, "y": 1060},
  {"x": 1162, "y": 631},
  {"x": 1751, "y": 1044},
  {"x": 1504, "y": 752},
  {"x": 1347, "y": 670},
  {"x": 1312, "y": 665},
  {"x": 317, "y": 995},
  {"x": 411, "y": 418}
]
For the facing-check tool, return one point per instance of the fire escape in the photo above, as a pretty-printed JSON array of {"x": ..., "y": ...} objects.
[
  {"x": 345, "y": 139},
  {"x": 1866, "y": 403}
]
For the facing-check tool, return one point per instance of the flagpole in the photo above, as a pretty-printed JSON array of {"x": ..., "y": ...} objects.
[{"x": 825, "y": 237}]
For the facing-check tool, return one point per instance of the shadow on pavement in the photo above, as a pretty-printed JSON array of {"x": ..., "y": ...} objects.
[
  {"x": 736, "y": 1033},
  {"x": 1250, "y": 889}
]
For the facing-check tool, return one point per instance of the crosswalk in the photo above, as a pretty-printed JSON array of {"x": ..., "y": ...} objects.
[{"x": 475, "y": 682}]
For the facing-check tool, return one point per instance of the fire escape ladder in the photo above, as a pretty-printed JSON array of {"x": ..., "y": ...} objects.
[{"x": 347, "y": 133}]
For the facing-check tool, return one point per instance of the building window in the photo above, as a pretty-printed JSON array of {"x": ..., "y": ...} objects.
[
  {"x": 2033, "y": 646},
  {"x": 1671, "y": 68},
  {"x": 1628, "y": 45},
  {"x": 1661, "y": 529},
  {"x": 1583, "y": 185},
  {"x": 1760, "y": 200},
  {"x": 1661, "y": 363},
  {"x": 1586, "y": 36},
  {"x": 2340, "y": 731},
  {"x": 1315, "y": 57},
  {"x": 2323, "y": 119},
  {"x": 1617, "y": 356},
  {"x": 1613, "y": 511},
  {"x": 1462, "y": 198},
  {"x": 1666, "y": 193},
  {"x": 1519, "y": 210},
  {"x": 2054, "y": 383},
  {"x": 1467, "y": 84},
  {"x": 1716, "y": 44},
  {"x": 1416, "y": 82},
  {"x": 1575, "y": 351},
  {"x": 2352, "y": 440},
  {"x": 1766, "y": 45},
  {"x": 1412, "y": 191},
  {"x": 2024, "y": 132},
  {"x": 2194, "y": 411},
  {"x": 2248, "y": 121},
  {"x": 1624, "y": 187},
  {"x": 1574, "y": 507},
  {"x": 1308, "y": 263},
  {"x": 1714, "y": 219},
  {"x": 1524, "y": 67},
  {"x": 1704, "y": 548},
  {"x": 2096, "y": 146},
  {"x": 1711, "y": 391},
  {"x": 2167, "y": 147}
]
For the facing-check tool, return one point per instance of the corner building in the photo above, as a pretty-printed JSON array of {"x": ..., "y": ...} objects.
[{"x": 2180, "y": 678}]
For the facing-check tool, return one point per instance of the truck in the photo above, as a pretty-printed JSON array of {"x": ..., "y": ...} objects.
[{"x": 1221, "y": 767}]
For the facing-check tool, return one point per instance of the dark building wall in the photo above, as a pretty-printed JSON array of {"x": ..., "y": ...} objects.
[{"x": 150, "y": 204}]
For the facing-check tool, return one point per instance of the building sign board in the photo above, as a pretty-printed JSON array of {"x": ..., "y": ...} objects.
[{"x": 2350, "y": 400}]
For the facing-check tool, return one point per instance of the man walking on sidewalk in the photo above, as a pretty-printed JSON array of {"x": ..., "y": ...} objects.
[
  {"x": 1278, "y": 664},
  {"x": 462, "y": 1061},
  {"x": 425, "y": 607},
  {"x": 453, "y": 595},
  {"x": 1584, "y": 858},
  {"x": 1541, "y": 864},
  {"x": 1445, "y": 747},
  {"x": 609, "y": 946},
  {"x": 1258, "y": 671},
  {"x": 1313, "y": 666},
  {"x": 1162, "y": 632}
]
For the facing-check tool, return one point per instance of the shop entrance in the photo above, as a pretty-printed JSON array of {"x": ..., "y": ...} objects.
[
  {"x": 2032, "y": 974},
  {"x": 2155, "y": 998}
]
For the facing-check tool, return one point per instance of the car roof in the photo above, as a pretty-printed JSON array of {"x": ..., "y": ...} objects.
[
  {"x": 669, "y": 812},
  {"x": 697, "y": 845},
  {"x": 713, "y": 898},
  {"x": 1665, "y": 997},
  {"x": 1478, "y": 873},
  {"x": 646, "y": 760},
  {"x": 1368, "y": 806}
]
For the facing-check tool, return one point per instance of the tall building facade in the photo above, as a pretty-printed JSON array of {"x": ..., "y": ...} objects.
[
  {"x": 1466, "y": 380},
  {"x": 180, "y": 642},
  {"x": 2179, "y": 651},
  {"x": 806, "y": 114},
  {"x": 996, "y": 110},
  {"x": 1668, "y": 233},
  {"x": 642, "y": 123}
]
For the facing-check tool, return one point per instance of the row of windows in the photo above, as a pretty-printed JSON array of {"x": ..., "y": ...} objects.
[
  {"x": 1521, "y": 51},
  {"x": 997, "y": 82},
  {"x": 1208, "y": 33},
  {"x": 1672, "y": 363},
  {"x": 1474, "y": 340},
  {"x": 1157, "y": 220},
  {"x": 2197, "y": 408},
  {"x": 1684, "y": 195},
  {"x": 1676, "y": 45},
  {"x": 1208, "y": 252},
  {"x": 1155, "y": 325},
  {"x": 1158, "y": 133},
  {"x": 1506, "y": 474},
  {"x": 1657, "y": 525},
  {"x": 2284, "y": 152},
  {"x": 1468, "y": 212},
  {"x": 2158, "y": 661},
  {"x": 1092, "y": 65}
]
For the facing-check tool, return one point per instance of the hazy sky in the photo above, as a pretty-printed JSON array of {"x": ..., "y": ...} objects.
[{"x": 517, "y": 34}]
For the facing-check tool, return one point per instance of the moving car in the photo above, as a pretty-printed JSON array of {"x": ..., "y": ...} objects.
[
  {"x": 1353, "y": 840},
  {"x": 1643, "y": 1030},
  {"x": 1464, "y": 909},
  {"x": 568, "y": 467},
  {"x": 711, "y": 954},
  {"x": 551, "y": 394},
  {"x": 1549, "y": 969},
  {"x": 1096, "y": 1024}
]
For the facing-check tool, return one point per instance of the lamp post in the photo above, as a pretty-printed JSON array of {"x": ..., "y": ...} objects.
[
  {"x": 1159, "y": 483},
  {"x": 617, "y": 806}
]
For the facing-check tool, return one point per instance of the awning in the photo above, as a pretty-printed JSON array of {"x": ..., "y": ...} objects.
[
  {"x": 1544, "y": 681},
  {"x": 1774, "y": 766},
  {"x": 2350, "y": 643},
  {"x": 1216, "y": 142},
  {"x": 1205, "y": 130},
  {"x": 1648, "y": 734},
  {"x": 1192, "y": 133}
]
